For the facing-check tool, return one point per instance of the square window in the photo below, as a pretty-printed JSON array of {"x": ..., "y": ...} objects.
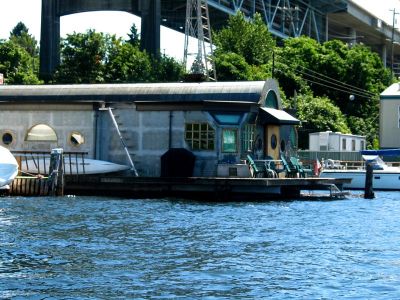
[{"x": 200, "y": 136}]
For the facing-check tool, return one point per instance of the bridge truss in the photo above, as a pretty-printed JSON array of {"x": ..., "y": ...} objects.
[{"x": 285, "y": 18}]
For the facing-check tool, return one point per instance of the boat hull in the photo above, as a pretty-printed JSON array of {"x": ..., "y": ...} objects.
[
  {"x": 382, "y": 179},
  {"x": 8, "y": 167},
  {"x": 72, "y": 166}
]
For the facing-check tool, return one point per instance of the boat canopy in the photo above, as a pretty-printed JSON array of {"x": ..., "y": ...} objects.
[
  {"x": 384, "y": 152},
  {"x": 376, "y": 161}
]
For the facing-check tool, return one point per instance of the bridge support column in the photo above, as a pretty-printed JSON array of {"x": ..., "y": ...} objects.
[
  {"x": 151, "y": 20},
  {"x": 353, "y": 36},
  {"x": 384, "y": 55},
  {"x": 49, "y": 39}
]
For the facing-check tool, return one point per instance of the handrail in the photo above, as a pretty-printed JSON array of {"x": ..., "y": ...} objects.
[{"x": 38, "y": 162}]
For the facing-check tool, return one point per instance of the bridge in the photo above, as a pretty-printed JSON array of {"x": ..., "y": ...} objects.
[{"x": 320, "y": 19}]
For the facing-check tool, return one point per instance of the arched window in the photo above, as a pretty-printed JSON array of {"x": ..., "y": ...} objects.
[
  {"x": 41, "y": 133},
  {"x": 272, "y": 100}
]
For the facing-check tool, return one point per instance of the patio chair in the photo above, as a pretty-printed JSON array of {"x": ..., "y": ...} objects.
[
  {"x": 257, "y": 172},
  {"x": 298, "y": 166},
  {"x": 290, "y": 170}
]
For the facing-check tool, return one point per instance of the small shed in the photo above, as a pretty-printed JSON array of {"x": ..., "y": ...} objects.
[{"x": 336, "y": 141}]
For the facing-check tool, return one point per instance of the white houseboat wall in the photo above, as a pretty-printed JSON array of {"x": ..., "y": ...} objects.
[
  {"x": 389, "y": 118},
  {"x": 218, "y": 122}
]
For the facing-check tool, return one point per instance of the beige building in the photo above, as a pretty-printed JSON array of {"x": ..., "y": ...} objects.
[{"x": 389, "y": 124}]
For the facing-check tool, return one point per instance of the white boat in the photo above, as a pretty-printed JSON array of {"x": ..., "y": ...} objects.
[
  {"x": 8, "y": 168},
  {"x": 72, "y": 166},
  {"x": 384, "y": 177}
]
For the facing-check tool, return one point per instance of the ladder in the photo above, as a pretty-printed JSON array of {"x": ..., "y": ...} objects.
[{"x": 197, "y": 26}]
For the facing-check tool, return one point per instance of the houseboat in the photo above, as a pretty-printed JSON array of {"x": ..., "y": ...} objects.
[{"x": 218, "y": 123}]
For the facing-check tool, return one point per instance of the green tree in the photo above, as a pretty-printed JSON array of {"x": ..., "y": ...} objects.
[
  {"x": 20, "y": 35},
  {"x": 126, "y": 63},
  {"x": 134, "y": 36},
  {"x": 16, "y": 64},
  {"x": 232, "y": 66},
  {"x": 167, "y": 69},
  {"x": 243, "y": 49},
  {"x": 335, "y": 70},
  {"x": 318, "y": 114},
  {"x": 83, "y": 57},
  {"x": 249, "y": 39},
  {"x": 93, "y": 57}
]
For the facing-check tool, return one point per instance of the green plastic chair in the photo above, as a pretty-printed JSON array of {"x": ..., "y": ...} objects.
[
  {"x": 256, "y": 171},
  {"x": 298, "y": 166},
  {"x": 290, "y": 170}
]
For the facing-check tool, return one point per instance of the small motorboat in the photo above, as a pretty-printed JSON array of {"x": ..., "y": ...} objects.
[
  {"x": 8, "y": 168},
  {"x": 385, "y": 177},
  {"x": 72, "y": 166}
]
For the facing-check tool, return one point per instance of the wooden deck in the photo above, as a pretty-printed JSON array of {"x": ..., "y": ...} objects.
[{"x": 210, "y": 188}]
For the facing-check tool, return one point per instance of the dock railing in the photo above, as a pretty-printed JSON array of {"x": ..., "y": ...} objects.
[{"x": 38, "y": 162}]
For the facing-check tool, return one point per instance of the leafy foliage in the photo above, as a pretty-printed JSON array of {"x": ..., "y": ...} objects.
[
  {"x": 93, "y": 57},
  {"x": 20, "y": 36},
  {"x": 319, "y": 114},
  {"x": 16, "y": 64},
  {"x": 335, "y": 70},
  {"x": 83, "y": 56},
  {"x": 167, "y": 69},
  {"x": 241, "y": 46},
  {"x": 232, "y": 66},
  {"x": 126, "y": 63},
  {"x": 134, "y": 36}
]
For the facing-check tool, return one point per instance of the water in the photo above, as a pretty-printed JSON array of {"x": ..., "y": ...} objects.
[{"x": 104, "y": 248}]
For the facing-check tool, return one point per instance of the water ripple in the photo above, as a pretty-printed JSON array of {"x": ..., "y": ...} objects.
[{"x": 105, "y": 248}]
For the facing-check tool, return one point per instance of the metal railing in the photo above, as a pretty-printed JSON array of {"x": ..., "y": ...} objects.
[{"x": 38, "y": 162}]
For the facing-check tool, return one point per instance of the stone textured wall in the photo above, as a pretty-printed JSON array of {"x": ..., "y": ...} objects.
[
  {"x": 64, "y": 120},
  {"x": 147, "y": 136}
]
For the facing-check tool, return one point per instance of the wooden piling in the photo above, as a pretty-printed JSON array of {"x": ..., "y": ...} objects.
[
  {"x": 369, "y": 175},
  {"x": 56, "y": 173},
  {"x": 29, "y": 186}
]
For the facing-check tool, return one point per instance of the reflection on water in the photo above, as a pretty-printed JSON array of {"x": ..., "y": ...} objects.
[{"x": 103, "y": 248}]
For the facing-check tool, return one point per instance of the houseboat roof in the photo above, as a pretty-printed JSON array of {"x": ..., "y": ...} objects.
[{"x": 248, "y": 91}]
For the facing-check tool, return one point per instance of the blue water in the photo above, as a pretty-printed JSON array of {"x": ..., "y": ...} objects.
[{"x": 104, "y": 248}]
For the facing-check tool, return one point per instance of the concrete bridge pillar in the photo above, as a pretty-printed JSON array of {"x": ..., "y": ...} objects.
[
  {"x": 353, "y": 36},
  {"x": 49, "y": 39},
  {"x": 150, "y": 31},
  {"x": 384, "y": 54}
]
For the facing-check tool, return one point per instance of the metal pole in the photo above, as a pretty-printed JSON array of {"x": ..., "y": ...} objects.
[{"x": 122, "y": 140}]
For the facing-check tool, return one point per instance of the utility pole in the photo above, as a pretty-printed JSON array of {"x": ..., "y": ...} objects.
[{"x": 392, "y": 41}]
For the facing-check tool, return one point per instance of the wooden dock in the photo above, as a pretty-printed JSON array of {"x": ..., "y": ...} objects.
[
  {"x": 209, "y": 188},
  {"x": 58, "y": 183},
  {"x": 29, "y": 186}
]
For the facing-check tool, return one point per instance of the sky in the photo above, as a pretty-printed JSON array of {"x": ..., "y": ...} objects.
[{"x": 119, "y": 23}]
